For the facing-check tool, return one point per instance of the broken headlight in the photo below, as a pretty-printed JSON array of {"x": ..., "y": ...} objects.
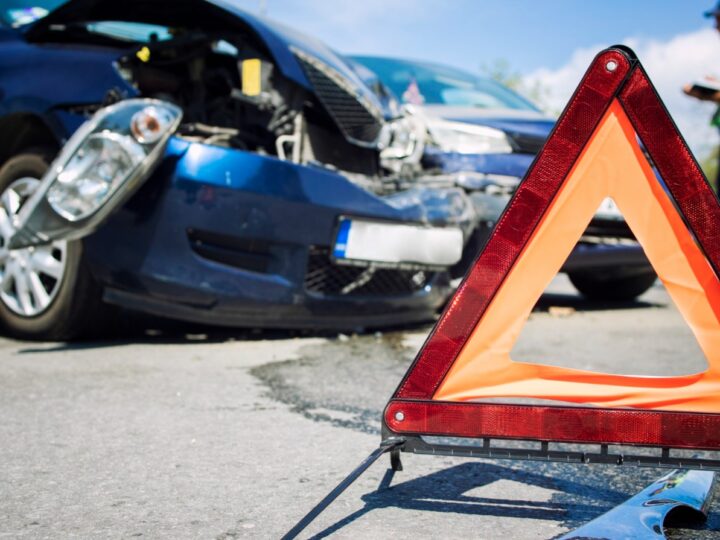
[
  {"x": 403, "y": 142},
  {"x": 101, "y": 165}
]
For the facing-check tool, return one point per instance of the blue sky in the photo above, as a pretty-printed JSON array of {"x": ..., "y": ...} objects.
[
  {"x": 549, "y": 43},
  {"x": 467, "y": 33}
]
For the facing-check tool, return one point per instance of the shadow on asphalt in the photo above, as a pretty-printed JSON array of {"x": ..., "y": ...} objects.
[
  {"x": 445, "y": 492},
  {"x": 134, "y": 328},
  {"x": 139, "y": 329}
]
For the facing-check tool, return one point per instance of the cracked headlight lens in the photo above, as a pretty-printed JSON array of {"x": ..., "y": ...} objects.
[
  {"x": 100, "y": 167},
  {"x": 101, "y": 163},
  {"x": 115, "y": 149}
]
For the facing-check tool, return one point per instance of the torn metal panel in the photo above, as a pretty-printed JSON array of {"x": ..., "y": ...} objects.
[{"x": 643, "y": 515}]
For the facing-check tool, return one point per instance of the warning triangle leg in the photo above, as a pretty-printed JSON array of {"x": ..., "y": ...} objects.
[{"x": 389, "y": 445}]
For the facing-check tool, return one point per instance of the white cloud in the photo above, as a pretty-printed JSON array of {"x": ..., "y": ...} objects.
[
  {"x": 670, "y": 65},
  {"x": 352, "y": 26},
  {"x": 351, "y": 13}
]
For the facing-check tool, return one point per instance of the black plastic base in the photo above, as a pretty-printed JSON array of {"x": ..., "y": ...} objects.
[{"x": 558, "y": 452}]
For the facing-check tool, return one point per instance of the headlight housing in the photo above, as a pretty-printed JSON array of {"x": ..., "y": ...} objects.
[
  {"x": 465, "y": 138},
  {"x": 103, "y": 160},
  {"x": 101, "y": 165},
  {"x": 402, "y": 143}
]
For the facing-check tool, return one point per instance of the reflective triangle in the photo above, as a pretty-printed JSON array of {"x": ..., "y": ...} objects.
[{"x": 592, "y": 154}]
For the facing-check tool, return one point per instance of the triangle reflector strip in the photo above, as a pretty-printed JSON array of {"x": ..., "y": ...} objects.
[{"x": 593, "y": 153}]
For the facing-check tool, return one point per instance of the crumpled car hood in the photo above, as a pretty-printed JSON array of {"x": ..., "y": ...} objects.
[{"x": 279, "y": 39}]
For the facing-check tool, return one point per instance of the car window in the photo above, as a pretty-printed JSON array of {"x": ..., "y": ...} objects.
[
  {"x": 137, "y": 32},
  {"x": 21, "y": 12},
  {"x": 434, "y": 84}
]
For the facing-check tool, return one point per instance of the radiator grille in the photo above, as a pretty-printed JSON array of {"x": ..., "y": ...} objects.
[
  {"x": 325, "y": 277},
  {"x": 356, "y": 120}
]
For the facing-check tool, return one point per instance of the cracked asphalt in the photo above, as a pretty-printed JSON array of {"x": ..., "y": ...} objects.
[{"x": 199, "y": 433}]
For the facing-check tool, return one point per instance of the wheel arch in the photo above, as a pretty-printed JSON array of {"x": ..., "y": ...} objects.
[{"x": 24, "y": 130}]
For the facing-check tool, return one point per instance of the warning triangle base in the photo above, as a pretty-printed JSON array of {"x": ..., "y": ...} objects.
[{"x": 534, "y": 450}]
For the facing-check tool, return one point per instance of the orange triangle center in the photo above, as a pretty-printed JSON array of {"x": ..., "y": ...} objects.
[{"x": 611, "y": 165}]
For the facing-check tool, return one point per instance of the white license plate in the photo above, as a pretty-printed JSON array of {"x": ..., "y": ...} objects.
[{"x": 372, "y": 241}]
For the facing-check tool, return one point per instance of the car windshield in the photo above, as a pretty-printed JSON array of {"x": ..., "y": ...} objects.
[
  {"x": 434, "y": 84},
  {"x": 20, "y": 12}
]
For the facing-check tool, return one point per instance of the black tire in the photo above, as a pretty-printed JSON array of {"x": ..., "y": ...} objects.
[
  {"x": 614, "y": 286},
  {"x": 77, "y": 309}
]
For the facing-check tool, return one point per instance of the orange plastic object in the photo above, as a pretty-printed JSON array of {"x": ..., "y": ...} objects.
[{"x": 611, "y": 164}]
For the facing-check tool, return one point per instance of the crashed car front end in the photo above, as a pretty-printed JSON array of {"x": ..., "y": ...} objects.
[
  {"x": 215, "y": 242},
  {"x": 230, "y": 172},
  {"x": 486, "y": 136}
]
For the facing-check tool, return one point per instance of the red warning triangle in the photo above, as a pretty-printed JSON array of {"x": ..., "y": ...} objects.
[{"x": 593, "y": 153}]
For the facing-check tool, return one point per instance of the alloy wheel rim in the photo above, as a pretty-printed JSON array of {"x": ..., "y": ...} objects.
[{"x": 30, "y": 278}]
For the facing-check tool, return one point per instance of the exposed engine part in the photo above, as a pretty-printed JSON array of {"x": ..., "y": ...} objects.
[
  {"x": 220, "y": 82},
  {"x": 233, "y": 96},
  {"x": 404, "y": 144},
  {"x": 294, "y": 140},
  {"x": 210, "y": 134}
]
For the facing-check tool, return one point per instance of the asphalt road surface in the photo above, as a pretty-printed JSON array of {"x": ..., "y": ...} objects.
[{"x": 187, "y": 433}]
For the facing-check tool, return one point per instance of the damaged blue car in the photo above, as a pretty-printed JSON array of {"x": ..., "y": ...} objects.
[
  {"x": 487, "y": 136},
  {"x": 186, "y": 159}
]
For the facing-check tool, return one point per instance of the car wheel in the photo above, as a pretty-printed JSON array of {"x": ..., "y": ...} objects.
[
  {"x": 612, "y": 285},
  {"x": 46, "y": 292}
]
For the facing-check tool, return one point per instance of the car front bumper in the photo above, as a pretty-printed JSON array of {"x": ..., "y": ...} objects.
[{"x": 234, "y": 238}]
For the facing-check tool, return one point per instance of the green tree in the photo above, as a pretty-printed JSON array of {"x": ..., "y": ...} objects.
[
  {"x": 709, "y": 165},
  {"x": 500, "y": 70}
]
